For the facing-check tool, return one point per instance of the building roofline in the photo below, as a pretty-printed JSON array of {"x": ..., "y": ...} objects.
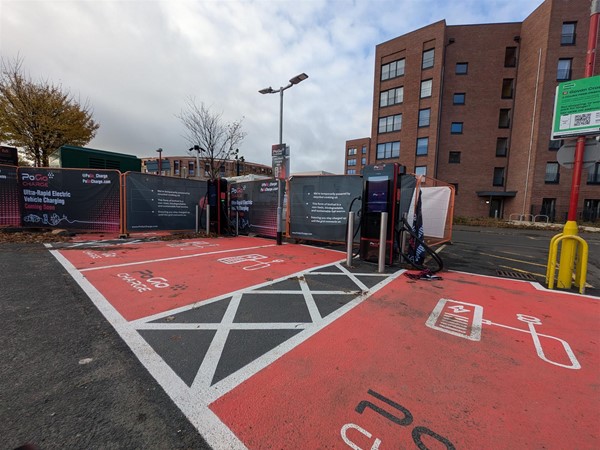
[{"x": 443, "y": 22}]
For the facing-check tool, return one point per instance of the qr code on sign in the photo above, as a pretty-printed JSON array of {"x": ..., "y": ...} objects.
[{"x": 583, "y": 119}]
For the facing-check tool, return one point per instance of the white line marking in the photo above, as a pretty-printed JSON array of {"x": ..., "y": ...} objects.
[
  {"x": 236, "y": 378},
  {"x": 229, "y": 294},
  {"x": 213, "y": 355},
  {"x": 174, "y": 258},
  {"x": 315, "y": 315},
  {"x": 216, "y": 326},
  {"x": 215, "y": 432},
  {"x": 538, "y": 346}
]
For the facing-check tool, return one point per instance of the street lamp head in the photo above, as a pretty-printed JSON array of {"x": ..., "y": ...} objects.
[
  {"x": 268, "y": 90},
  {"x": 298, "y": 78},
  {"x": 159, "y": 150}
]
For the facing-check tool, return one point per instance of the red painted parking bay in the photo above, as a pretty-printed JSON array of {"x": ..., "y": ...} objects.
[
  {"x": 143, "y": 279},
  {"x": 466, "y": 362}
]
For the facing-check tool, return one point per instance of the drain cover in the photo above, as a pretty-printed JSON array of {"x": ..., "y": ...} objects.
[{"x": 516, "y": 275}]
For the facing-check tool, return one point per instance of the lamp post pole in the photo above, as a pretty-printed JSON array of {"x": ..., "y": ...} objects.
[
  {"x": 297, "y": 79},
  {"x": 197, "y": 149},
  {"x": 159, "y": 161}
]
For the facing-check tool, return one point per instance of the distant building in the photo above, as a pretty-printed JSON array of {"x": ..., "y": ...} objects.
[
  {"x": 357, "y": 155},
  {"x": 185, "y": 167},
  {"x": 472, "y": 105}
]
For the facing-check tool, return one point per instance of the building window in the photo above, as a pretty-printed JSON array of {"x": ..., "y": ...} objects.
[
  {"x": 424, "y": 116},
  {"x": 501, "y": 147},
  {"x": 498, "y": 176},
  {"x": 176, "y": 166},
  {"x": 390, "y": 123},
  {"x": 363, "y": 160},
  {"x": 454, "y": 158},
  {"x": 222, "y": 170},
  {"x": 420, "y": 170},
  {"x": 388, "y": 150},
  {"x": 548, "y": 208},
  {"x": 567, "y": 35},
  {"x": 455, "y": 188},
  {"x": 392, "y": 70},
  {"x": 507, "y": 87},
  {"x": 456, "y": 128},
  {"x": 555, "y": 145},
  {"x": 563, "y": 71},
  {"x": 462, "y": 68},
  {"x": 364, "y": 150},
  {"x": 191, "y": 168},
  {"x": 510, "y": 57},
  {"x": 504, "y": 118},
  {"x": 426, "y": 88},
  {"x": 552, "y": 173},
  {"x": 422, "y": 144},
  {"x": 351, "y": 172},
  {"x": 351, "y": 162},
  {"x": 428, "y": 59},
  {"x": 351, "y": 151},
  {"x": 458, "y": 98},
  {"x": 206, "y": 169},
  {"x": 594, "y": 174},
  {"x": 391, "y": 97}
]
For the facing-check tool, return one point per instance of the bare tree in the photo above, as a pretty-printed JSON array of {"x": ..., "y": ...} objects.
[
  {"x": 40, "y": 117},
  {"x": 209, "y": 134}
]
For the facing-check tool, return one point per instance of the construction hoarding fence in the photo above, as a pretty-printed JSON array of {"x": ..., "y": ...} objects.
[
  {"x": 86, "y": 200},
  {"x": 157, "y": 203},
  {"x": 319, "y": 206}
]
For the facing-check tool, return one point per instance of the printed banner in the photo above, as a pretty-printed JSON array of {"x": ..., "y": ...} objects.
[
  {"x": 87, "y": 199},
  {"x": 162, "y": 203},
  {"x": 319, "y": 206},
  {"x": 10, "y": 214},
  {"x": 254, "y": 206}
]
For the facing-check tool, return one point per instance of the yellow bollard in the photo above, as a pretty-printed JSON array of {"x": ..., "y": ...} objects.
[
  {"x": 567, "y": 256},
  {"x": 551, "y": 266},
  {"x": 582, "y": 260}
]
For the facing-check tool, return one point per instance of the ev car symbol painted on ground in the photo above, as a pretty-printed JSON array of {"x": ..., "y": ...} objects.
[{"x": 465, "y": 320}]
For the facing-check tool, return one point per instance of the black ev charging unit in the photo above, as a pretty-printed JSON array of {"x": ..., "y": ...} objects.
[
  {"x": 217, "y": 202},
  {"x": 382, "y": 192}
]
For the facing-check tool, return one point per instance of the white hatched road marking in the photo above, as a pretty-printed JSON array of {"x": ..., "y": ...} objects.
[{"x": 194, "y": 401}]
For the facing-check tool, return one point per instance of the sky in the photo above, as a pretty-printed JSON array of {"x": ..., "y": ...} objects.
[{"x": 137, "y": 63}]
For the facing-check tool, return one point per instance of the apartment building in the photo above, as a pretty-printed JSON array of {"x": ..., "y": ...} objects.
[{"x": 472, "y": 105}]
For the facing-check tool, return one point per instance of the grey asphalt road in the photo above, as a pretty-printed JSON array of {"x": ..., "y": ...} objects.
[
  {"x": 67, "y": 380},
  {"x": 486, "y": 251}
]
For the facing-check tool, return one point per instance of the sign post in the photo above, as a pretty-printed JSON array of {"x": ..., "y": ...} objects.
[{"x": 577, "y": 114}]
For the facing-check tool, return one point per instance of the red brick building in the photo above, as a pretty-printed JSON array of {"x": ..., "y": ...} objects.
[
  {"x": 185, "y": 167},
  {"x": 472, "y": 105}
]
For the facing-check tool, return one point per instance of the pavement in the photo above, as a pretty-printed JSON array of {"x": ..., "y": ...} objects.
[{"x": 239, "y": 343}]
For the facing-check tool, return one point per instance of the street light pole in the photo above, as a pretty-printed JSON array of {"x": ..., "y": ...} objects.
[
  {"x": 197, "y": 149},
  {"x": 159, "y": 161},
  {"x": 297, "y": 79}
]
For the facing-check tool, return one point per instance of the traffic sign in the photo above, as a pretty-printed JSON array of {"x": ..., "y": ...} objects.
[
  {"x": 591, "y": 154},
  {"x": 281, "y": 161},
  {"x": 577, "y": 108}
]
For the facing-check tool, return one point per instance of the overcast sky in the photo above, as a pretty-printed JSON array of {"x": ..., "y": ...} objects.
[{"x": 137, "y": 62}]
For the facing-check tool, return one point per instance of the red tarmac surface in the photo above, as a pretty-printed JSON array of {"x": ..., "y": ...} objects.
[
  {"x": 464, "y": 362},
  {"x": 492, "y": 393},
  {"x": 159, "y": 276}
]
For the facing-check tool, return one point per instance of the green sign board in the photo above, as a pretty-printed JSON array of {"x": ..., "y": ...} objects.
[{"x": 577, "y": 108}]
